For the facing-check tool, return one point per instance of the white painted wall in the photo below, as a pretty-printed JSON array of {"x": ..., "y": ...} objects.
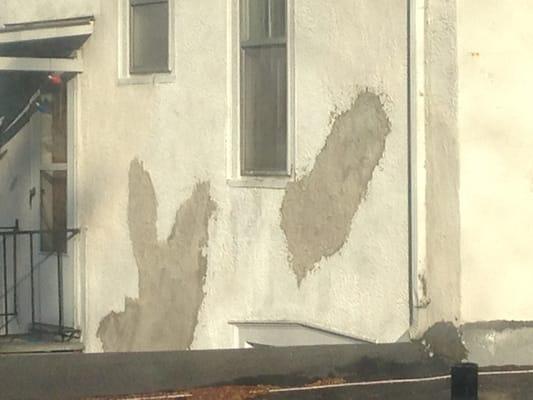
[
  {"x": 496, "y": 121},
  {"x": 180, "y": 131}
]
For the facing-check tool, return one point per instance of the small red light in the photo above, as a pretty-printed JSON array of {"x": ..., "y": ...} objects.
[{"x": 55, "y": 79}]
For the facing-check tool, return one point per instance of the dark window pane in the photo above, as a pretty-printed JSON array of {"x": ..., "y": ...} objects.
[
  {"x": 54, "y": 127},
  {"x": 278, "y": 18},
  {"x": 149, "y": 37},
  {"x": 59, "y": 126},
  {"x": 254, "y": 22},
  {"x": 53, "y": 210},
  {"x": 264, "y": 111}
]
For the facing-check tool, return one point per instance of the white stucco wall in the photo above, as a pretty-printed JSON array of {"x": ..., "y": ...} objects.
[
  {"x": 180, "y": 132},
  {"x": 495, "y": 122},
  {"x": 435, "y": 181}
]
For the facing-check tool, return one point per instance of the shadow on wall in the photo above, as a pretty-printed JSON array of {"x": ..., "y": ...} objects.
[
  {"x": 317, "y": 210},
  {"x": 171, "y": 273}
]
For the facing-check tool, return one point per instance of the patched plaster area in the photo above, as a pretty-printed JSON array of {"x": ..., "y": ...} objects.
[
  {"x": 445, "y": 340},
  {"x": 171, "y": 272},
  {"x": 317, "y": 210},
  {"x": 499, "y": 342},
  {"x": 486, "y": 343}
]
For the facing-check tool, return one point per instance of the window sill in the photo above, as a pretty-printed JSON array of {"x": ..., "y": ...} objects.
[
  {"x": 279, "y": 183},
  {"x": 147, "y": 79}
]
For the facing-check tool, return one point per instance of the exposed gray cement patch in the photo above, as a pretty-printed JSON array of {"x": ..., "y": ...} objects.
[
  {"x": 171, "y": 273},
  {"x": 499, "y": 342},
  {"x": 317, "y": 210},
  {"x": 444, "y": 340},
  {"x": 487, "y": 343},
  {"x": 497, "y": 326}
]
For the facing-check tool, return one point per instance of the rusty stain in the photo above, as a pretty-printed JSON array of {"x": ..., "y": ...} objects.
[
  {"x": 317, "y": 210},
  {"x": 171, "y": 273}
]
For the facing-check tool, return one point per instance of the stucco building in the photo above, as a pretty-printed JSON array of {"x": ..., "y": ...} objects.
[{"x": 214, "y": 174}]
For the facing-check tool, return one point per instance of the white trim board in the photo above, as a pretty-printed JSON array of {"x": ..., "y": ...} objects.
[
  {"x": 41, "y": 64},
  {"x": 46, "y": 33}
]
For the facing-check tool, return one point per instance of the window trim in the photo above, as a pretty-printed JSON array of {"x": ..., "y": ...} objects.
[
  {"x": 234, "y": 176},
  {"x": 125, "y": 77}
]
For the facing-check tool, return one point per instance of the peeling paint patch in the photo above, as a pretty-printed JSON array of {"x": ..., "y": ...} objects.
[
  {"x": 424, "y": 299},
  {"x": 317, "y": 210},
  {"x": 171, "y": 273}
]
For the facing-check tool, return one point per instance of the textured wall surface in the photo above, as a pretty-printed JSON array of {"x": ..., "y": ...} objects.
[
  {"x": 440, "y": 280},
  {"x": 171, "y": 274},
  {"x": 496, "y": 165},
  {"x": 347, "y": 53},
  {"x": 496, "y": 144}
]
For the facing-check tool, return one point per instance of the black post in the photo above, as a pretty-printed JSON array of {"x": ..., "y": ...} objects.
[
  {"x": 32, "y": 283},
  {"x": 60, "y": 291},
  {"x": 15, "y": 267},
  {"x": 464, "y": 381},
  {"x": 6, "y": 299}
]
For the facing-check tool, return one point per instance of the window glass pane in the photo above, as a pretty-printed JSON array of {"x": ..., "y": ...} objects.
[
  {"x": 54, "y": 127},
  {"x": 254, "y": 20},
  {"x": 53, "y": 210},
  {"x": 149, "y": 38},
  {"x": 278, "y": 13},
  {"x": 264, "y": 111}
]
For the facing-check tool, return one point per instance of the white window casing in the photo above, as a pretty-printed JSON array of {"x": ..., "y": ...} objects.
[
  {"x": 142, "y": 72},
  {"x": 271, "y": 42}
]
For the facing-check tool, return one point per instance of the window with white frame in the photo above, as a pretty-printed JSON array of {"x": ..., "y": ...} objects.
[
  {"x": 263, "y": 88},
  {"x": 148, "y": 36}
]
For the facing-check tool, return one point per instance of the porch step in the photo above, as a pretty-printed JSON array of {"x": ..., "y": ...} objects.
[{"x": 30, "y": 343}]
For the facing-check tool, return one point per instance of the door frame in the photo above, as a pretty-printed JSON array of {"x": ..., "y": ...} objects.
[{"x": 71, "y": 259}]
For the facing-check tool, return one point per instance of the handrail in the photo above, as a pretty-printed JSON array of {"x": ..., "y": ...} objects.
[
  {"x": 14, "y": 232},
  {"x": 39, "y": 231}
]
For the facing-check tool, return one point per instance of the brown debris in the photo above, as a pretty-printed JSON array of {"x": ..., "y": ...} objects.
[{"x": 229, "y": 393}]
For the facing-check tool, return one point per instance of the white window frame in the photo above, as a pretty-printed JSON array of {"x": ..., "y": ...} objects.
[
  {"x": 124, "y": 75},
  {"x": 233, "y": 155}
]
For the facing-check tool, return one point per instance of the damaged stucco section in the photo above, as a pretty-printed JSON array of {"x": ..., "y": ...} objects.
[
  {"x": 486, "y": 343},
  {"x": 171, "y": 273},
  {"x": 445, "y": 340},
  {"x": 499, "y": 342},
  {"x": 317, "y": 210}
]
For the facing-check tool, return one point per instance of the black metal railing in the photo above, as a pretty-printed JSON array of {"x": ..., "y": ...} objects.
[{"x": 11, "y": 236}]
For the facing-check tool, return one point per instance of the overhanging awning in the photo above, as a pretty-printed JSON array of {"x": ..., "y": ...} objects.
[{"x": 29, "y": 52}]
